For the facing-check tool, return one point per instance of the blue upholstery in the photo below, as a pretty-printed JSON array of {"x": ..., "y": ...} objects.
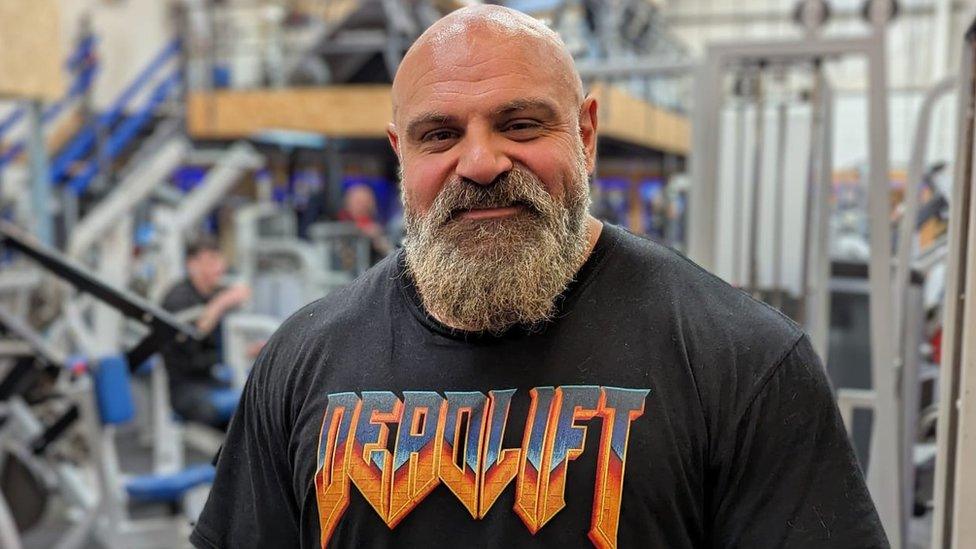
[
  {"x": 112, "y": 391},
  {"x": 168, "y": 487}
]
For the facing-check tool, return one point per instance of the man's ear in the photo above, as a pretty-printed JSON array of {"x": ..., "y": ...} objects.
[
  {"x": 391, "y": 134},
  {"x": 588, "y": 126}
]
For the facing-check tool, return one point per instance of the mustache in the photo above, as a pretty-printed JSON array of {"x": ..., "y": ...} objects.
[{"x": 517, "y": 187}]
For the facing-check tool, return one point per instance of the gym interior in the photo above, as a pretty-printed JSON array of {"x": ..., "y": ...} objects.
[{"x": 187, "y": 174}]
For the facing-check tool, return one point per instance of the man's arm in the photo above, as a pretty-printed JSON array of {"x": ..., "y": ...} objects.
[
  {"x": 217, "y": 307},
  {"x": 785, "y": 474},
  {"x": 251, "y": 503}
]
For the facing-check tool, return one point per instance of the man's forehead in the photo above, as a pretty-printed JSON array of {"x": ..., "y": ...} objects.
[{"x": 482, "y": 54}]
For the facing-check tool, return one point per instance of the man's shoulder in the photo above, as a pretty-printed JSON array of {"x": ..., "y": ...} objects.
[
  {"x": 706, "y": 309},
  {"x": 180, "y": 295}
]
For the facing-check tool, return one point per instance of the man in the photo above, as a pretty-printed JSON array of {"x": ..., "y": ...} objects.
[
  {"x": 359, "y": 207},
  {"x": 196, "y": 392},
  {"x": 521, "y": 375}
]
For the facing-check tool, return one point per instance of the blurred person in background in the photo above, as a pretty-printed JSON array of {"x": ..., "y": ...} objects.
[
  {"x": 359, "y": 207},
  {"x": 196, "y": 387}
]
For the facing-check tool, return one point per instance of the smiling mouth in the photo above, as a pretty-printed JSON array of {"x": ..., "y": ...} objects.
[
  {"x": 488, "y": 213},
  {"x": 492, "y": 212}
]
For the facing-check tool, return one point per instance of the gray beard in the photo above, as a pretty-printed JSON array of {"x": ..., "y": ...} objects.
[{"x": 490, "y": 275}]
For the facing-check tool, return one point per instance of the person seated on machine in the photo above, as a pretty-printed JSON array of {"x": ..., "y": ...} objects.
[{"x": 198, "y": 392}]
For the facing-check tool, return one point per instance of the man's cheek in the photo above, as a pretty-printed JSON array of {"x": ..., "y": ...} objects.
[{"x": 421, "y": 192}]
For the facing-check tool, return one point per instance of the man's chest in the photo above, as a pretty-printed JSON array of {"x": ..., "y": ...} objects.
[{"x": 586, "y": 448}]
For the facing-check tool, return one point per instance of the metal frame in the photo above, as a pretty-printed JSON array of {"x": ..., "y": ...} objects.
[
  {"x": 162, "y": 325},
  {"x": 105, "y": 515},
  {"x": 175, "y": 223},
  {"x": 906, "y": 317},
  {"x": 704, "y": 207},
  {"x": 108, "y": 229},
  {"x": 955, "y": 492},
  {"x": 239, "y": 330}
]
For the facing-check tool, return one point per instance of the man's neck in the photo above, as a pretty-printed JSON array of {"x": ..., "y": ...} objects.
[{"x": 594, "y": 228}]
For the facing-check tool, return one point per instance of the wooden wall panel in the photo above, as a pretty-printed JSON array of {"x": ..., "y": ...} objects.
[
  {"x": 364, "y": 111},
  {"x": 337, "y": 111},
  {"x": 632, "y": 120},
  {"x": 31, "y": 53}
]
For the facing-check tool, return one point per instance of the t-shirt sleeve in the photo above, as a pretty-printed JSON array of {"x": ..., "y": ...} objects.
[
  {"x": 786, "y": 475},
  {"x": 251, "y": 503}
]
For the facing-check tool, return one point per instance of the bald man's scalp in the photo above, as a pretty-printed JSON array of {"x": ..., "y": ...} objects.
[{"x": 501, "y": 23}]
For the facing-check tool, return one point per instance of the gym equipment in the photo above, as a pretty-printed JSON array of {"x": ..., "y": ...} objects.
[
  {"x": 811, "y": 52},
  {"x": 175, "y": 224},
  {"x": 344, "y": 248},
  {"x": 103, "y": 400},
  {"x": 955, "y": 491},
  {"x": 241, "y": 330}
]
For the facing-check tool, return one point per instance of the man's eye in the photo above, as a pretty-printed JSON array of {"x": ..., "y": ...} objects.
[
  {"x": 440, "y": 135},
  {"x": 522, "y": 126}
]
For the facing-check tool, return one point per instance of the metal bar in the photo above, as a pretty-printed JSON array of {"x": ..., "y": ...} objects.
[
  {"x": 781, "y": 51},
  {"x": 819, "y": 327},
  {"x": 55, "y": 430},
  {"x": 127, "y": 303},
  {"x": 960, "y": 240},
  {"x": 778, "y": 194},
  {"x": 145, "y": 349},
  {"x": 127, "y": 194},
  {"x": 645, "y": 67},
  {"x": 738, "y": 190},
  {"x": 907, "y": 340},
  {"x": 124, "y": 134},
  {"x": 704, "y": 163},
  {"x": 9, "y": 537},
  {"x": 24, "y": 332},
  {"x": 814, "y": 198},
  {"x": 229, "y": 167},
  {"x": 11, "y": 348},
  {"x": 884, "y": 434},
  {"x": 41, "y": 199},
  {"x": 87, "y": 137},
  {"x": 755, "y": 208},
  {"x": 14, "y": 382},
  {"x": 916, "y": 169},
  {"x": 698, "y": 18},
  {"x": 963, "y": 527}
]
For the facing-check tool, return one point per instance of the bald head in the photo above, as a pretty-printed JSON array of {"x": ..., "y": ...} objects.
[{"x": 468, "y": 33}]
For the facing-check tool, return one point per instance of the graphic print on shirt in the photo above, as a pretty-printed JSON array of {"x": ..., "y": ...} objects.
[{"x": 429, "y": 450}]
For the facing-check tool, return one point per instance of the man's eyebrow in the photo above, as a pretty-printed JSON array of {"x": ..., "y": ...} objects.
[
  {"x": 547, "y": 107},
  {"x": 428, "y": 118}
]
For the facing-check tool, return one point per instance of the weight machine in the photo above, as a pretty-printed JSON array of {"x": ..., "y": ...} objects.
[
  {"x": 813, "y": 308},
  {"x": 101, "y": 399},
  {"x": 955, "y": 491}
]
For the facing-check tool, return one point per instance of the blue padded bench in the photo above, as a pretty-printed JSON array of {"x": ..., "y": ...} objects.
[
  {"x": 169, "y": 487},
  {"x": 114, "y": 398}
]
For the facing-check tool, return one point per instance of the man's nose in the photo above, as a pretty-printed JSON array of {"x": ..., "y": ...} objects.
[{"x": 481, "y": 160}]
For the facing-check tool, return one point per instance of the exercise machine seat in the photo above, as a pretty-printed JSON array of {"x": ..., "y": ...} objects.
[
  {"x": 168, "y": 487},
  {"x": 112, "y": 391}
]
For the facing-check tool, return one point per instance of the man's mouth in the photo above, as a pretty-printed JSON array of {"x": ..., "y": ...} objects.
[
  {"x": 488, "y": 213},
  {"x": 481, "y": 213}
]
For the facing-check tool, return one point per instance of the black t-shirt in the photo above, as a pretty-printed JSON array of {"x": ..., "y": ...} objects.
[
  {"x": 661, "y": 408},
  {"x": 192, "y": 360}
]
